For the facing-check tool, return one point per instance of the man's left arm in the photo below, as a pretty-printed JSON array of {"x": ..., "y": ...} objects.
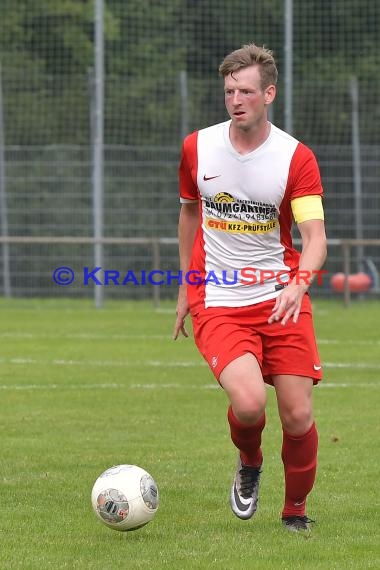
[{"x": 313, "y": 255}]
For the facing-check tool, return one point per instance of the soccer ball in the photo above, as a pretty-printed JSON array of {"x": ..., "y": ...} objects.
[{"x": 125, "y": 497}]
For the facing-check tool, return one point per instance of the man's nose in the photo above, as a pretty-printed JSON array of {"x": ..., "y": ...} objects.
[{"x": 236, "y": 98}]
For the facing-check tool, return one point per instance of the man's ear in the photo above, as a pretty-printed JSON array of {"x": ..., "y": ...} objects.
[{"x": 270, "y": 94}]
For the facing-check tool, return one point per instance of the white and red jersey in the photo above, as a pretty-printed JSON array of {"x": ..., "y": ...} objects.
[{"x": 246, "y": 216}]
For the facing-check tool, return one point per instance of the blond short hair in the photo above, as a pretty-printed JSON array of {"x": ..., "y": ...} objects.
[{"x": 251, "y": 54}]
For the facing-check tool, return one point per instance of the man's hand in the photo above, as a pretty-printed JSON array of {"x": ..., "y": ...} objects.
[
  {"x": 181, "y": 312},
  {"x": 288, "y": 304}
]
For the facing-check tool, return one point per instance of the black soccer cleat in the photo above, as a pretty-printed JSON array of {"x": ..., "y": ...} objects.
[
  {"x": 297, "y": 523},
  {"x": 245, "y": 490}
]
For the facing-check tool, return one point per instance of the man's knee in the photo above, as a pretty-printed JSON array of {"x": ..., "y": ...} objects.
[
  {"x": 243, "y": 383},
  {"x": 297, "y": 420},
  {"x": 248, "y": 409}
]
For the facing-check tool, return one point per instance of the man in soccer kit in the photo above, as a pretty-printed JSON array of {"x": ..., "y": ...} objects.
[{"x": 242, "y": 182}]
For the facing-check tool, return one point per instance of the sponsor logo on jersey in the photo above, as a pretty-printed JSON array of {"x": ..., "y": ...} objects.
[
  {"x": 241, "y": 227},
  {"x": 224, "y": 205},
  {"x": 223, "y": 198}
]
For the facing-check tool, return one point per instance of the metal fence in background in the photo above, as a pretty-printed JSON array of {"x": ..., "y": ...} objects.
[
  {"x": 160, "y": 82},
  {"x": 141, "y": 268}
]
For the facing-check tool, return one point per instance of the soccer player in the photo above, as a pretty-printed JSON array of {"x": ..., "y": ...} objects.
[{"x": 242, "y": 182}]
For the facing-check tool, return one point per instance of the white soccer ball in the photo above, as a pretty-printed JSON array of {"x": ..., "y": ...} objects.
[{"x": 125, "y": 497}]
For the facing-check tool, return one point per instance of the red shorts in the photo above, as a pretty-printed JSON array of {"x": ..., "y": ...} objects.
[{"x": 225, "y": 333}]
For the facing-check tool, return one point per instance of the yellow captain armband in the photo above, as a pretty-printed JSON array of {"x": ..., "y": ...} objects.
[{"x": 307, "y": 208}]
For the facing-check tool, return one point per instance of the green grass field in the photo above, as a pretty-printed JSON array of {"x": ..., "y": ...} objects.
[{"x": 83, "y": 389}]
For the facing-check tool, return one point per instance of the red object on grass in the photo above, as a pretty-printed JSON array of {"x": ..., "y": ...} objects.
[{"x": 357, "y": 282}]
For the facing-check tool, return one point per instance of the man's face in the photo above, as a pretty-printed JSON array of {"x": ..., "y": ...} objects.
[{"x": 245, "y": 101}]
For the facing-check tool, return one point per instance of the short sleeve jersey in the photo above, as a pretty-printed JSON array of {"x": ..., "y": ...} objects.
[{"x": 245, "y": 214}]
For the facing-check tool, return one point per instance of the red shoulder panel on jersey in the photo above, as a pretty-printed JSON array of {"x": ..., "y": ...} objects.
[
  {"x": 188, "y": 168},
  {"x": 304, "y": 177}
]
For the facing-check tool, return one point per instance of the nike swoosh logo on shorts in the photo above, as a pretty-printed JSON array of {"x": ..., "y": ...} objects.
[{"x": 316, "y": 367}]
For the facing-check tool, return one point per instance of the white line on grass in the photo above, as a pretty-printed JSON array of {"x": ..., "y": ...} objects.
[
  {"x": 157, "y": 386},
  {"x": 103, "y": 363},
  {"x": 351, "y": 341},
  {"x": 83, "y": 336},
  {"x": 355, "y": 365},
  {"x": 158, "y": 363},
  {"x": 125, "y": 336},
  {"x": 105, "y": 386},
  {"x": 20, "y": 387}
]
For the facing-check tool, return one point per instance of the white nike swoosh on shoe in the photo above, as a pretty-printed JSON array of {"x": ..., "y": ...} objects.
[{"x": 242, "y": 503}]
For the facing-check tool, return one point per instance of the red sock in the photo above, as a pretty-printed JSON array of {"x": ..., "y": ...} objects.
[
  {"x": 247, "y": 439},
  {"x": 299, "y": 455}
]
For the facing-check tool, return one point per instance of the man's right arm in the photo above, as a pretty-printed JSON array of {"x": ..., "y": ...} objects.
[{"x": 187, "y": 228}]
